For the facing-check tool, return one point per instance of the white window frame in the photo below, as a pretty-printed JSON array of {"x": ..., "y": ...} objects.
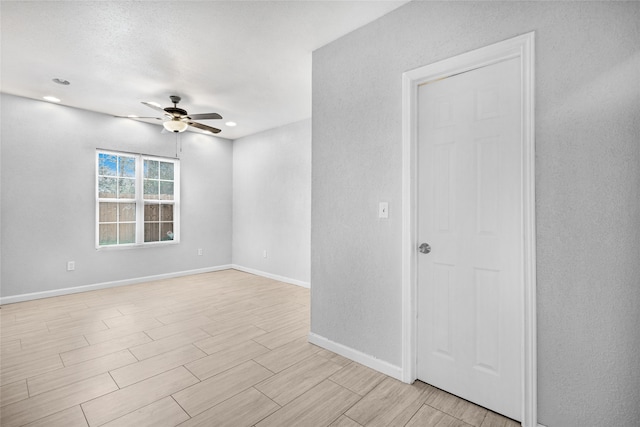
[{"x": 139, "y": 200}]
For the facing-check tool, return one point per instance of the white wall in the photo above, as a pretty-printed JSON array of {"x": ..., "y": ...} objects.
[
  {"x": 588, "y": 189},
  {"x": 48, "y": 202},
  {"x": 272, "y": 201}
]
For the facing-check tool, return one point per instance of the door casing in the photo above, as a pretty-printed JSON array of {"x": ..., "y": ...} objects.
[{"x": 521, "y": 47}]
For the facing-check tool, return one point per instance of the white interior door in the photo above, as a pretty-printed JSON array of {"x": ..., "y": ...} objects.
[{"x": 470, "y": 309}]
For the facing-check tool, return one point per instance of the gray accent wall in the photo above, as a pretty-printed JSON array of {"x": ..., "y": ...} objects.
[
  {"x": 587, "y": 189},
  {"x": 272, "y": 201},
  {"x": 48, "y": 198}
]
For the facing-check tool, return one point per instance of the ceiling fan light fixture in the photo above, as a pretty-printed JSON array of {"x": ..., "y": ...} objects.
[{"x": 175, "y": 125}]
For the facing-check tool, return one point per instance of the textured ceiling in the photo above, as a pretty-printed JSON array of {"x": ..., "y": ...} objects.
[{"x": 250, "y": 61}]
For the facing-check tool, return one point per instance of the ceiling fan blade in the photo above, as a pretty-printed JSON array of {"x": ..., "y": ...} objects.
[
  {"x": 205, "y": 116},
  {"x": 204, "y": 127},
  {"x": 136, "y": 117},
  {"x": 155, "y": 107}
]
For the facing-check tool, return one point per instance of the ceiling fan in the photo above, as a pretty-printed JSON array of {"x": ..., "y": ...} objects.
[{"x": 179, "y": 119}]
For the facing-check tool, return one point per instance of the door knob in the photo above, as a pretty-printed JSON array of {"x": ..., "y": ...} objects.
[{"x": 424, "y": 248}]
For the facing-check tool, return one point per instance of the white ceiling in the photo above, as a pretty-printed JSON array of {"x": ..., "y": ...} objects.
[{"x": 249, "y": 61}]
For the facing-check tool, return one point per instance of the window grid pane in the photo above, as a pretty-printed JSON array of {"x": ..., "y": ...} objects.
[
  {"x": 166, "y": 190},
  {"x": 108, "y": 212},
  {"x": 166, "y": 212},
  {"x": 151, "y": 169},
  {"x": 166, "y": 231},
  {"x": 127, "y": 212},
  {"x": 166, "y": 171},
  {"x": 108, "y": 234},
  {"x": 151, "y": 231},
  {"x": 108, "y": 165},
  {"x": 127, "y": 167},
  {"x": 107, "y": 187},
  {"x": 127, "y": 233},
  {"x": 150, "y": 189}
]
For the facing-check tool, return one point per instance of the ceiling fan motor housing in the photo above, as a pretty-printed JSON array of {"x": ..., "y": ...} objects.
[{"x": 175, "y": 111}]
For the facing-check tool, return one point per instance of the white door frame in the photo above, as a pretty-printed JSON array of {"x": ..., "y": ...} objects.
[{"x": 521, "y": 47}]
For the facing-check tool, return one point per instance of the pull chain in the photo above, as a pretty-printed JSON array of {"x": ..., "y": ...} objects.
[{"x": 178, "y": 145}]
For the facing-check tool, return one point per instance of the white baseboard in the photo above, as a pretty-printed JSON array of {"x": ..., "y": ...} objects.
[
  {"x": 271, "y": 276},
  {"x": 104, "y": 285},
  {"x": 84, "y": 288},
  {"x": 357, "y": 356}
]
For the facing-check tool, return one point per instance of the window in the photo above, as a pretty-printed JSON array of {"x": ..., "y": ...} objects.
[{"x": 137, "y": 200}]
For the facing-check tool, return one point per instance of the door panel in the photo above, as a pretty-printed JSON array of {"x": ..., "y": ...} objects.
[{"x": 469, "y": 193}]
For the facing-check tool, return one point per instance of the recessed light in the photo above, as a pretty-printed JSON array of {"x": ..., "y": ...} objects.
[
  {"x": 51, "y": 98},
  {"x": 231, "y": 124},
  {"x": 61, "y": 81}
]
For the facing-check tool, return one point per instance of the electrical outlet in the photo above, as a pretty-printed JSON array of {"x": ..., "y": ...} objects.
[
  {"x": 199, "y": 251},
  {"x": 383, "y": 210},
  {"x": 71, "y": 265}
]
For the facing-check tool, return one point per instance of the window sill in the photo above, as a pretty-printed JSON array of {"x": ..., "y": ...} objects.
[{"x": 138, "y": 246}]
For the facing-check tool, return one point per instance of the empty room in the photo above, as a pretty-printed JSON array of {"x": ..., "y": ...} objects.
[{"x": 320, "y": 213}]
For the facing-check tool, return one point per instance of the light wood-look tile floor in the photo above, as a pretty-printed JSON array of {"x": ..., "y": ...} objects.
[{"x": 218, "y": 349}]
